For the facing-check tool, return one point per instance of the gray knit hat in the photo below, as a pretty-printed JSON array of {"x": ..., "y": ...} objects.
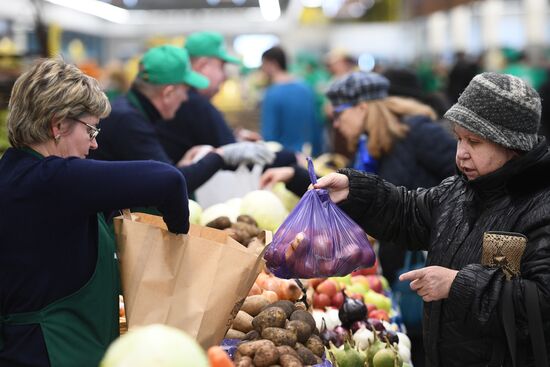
[
  {"x": 501, "y": 108},
  {"x": 357, "y": 87}
]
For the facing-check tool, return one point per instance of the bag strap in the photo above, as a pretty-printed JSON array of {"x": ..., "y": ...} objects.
[
  {"x": 534, "y": 320},
  {"x": 509, "y": 319},
  {"x": 535, "y": 324},
  {"x": 126, "y": 214}
]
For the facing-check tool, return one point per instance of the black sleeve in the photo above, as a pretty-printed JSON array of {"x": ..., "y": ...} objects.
[
  {"x": 390, "y": 213},
  {"x": 198, "y": 173},
  {"x": 110, "y": 186},
  {"x": 299, "y": 183}
]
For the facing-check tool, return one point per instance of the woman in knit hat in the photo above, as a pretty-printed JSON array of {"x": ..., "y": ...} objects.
[{"x": 490, "y": 311}]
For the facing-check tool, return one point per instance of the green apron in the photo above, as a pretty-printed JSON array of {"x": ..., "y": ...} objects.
[{"x": 78, "y": 328}]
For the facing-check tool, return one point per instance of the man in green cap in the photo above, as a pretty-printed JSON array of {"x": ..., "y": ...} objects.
[
  {"x": 198, "y": 121},
  {"x": 162, "y": 84}
]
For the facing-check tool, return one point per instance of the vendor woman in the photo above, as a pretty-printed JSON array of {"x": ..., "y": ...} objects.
[{"x": 59, "y": 281}]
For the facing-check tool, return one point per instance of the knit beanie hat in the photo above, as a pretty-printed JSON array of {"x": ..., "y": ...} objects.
[
  {"x": 357, "y": 87},
  {"x": 501, "y": 108}
]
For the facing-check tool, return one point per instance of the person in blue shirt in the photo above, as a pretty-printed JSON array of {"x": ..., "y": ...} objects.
[
  {"x": 162, "y": 84},
  {"x": 59, "y": 280},
  {"x": 288, "y": 114}
]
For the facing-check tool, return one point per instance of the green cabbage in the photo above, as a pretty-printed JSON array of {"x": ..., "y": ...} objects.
[
  {"x": 265, "y": 207},
  {"x": 195, "y": 212},
  {"x": 155, "y": 345}
]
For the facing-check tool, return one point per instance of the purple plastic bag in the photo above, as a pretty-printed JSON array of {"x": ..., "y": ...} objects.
[{"x": 318, "y": 240}]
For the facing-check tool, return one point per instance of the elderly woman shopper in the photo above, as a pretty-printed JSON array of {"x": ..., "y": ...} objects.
[
  {"x": 58, "y": 272},
  {"x": 476, "y": 312}
]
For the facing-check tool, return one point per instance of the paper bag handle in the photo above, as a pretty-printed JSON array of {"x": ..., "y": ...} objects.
[{"x": 126, "y": 214}]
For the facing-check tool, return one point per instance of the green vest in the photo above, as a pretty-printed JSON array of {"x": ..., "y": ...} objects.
[{"x": 78, "y": 328}]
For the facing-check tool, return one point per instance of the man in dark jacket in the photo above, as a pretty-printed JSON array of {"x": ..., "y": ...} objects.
[
  {"x": 129, "y": 133},
  {"x": 197, "y": 121},
  {"x": 470, "y": 307}
]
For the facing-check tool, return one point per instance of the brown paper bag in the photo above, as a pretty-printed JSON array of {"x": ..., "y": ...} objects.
[{"x": 195, "y": 282}]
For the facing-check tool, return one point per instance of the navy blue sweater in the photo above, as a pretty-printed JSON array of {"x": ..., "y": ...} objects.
[
  {"x": 48, "y": 229},
  {"x": 197, "y": 122},
  {"x": 129, "y": 134}
]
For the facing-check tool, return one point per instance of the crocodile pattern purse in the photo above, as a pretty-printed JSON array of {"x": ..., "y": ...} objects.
[{"x": 504, "y": 250}]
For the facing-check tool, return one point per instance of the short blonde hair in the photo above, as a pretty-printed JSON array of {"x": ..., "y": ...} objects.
[{"x": 51, "y": 90}]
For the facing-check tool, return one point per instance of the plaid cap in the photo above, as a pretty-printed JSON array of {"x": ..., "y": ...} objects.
[{"x": 357, "y": 87}]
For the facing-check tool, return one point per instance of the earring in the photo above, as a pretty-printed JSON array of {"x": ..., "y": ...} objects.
[{"x": 56, "y": 138}]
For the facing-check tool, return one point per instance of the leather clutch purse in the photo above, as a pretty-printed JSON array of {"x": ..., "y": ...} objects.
[{"x": 503, "y": 250}]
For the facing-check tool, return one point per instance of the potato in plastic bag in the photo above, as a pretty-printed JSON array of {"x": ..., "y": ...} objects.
[{"x": 318, "y": 239}]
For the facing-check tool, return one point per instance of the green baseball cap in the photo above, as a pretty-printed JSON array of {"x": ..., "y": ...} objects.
[
  {"x": 209, "y": 44},
  {"x": 169, "y": 64}
]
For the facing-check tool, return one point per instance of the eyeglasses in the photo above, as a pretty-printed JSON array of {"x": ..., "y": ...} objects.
[{"x": 92, "y": 130}]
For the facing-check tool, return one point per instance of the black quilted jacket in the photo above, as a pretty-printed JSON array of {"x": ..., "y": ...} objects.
[{"x": 449, "y": 221}]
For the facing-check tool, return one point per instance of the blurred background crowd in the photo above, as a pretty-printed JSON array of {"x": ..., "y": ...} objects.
[{"x": 428, "y": 49}]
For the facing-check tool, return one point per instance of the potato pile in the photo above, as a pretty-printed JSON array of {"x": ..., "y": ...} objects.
[
  {"x": 242, "y": 231},
  {"x": 279, "y": 334}
]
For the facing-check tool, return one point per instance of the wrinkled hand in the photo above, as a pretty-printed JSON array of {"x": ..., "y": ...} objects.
[
  {"x": 432, "y": 283},
  {"x": 337, "y": 185},
  {"x": 274, "y": 175},
  {"x": 247, "y": 152},
  {"x": 194, "y": 154}
]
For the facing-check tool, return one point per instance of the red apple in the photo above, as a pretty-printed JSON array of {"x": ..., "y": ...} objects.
[
  {"x": 370, "y": 307},
  {"x": 375, "y": 283},
  {"x": 321, "y": 300},
  {"x": 337, "y": 300},
  {"x": 314, "y": 282},
  {"x": 327, "y": 287},
  {"x": 358, "y": 296},
  {"x": 379, "y": 314},
  {"x": 373, "y": 270}
]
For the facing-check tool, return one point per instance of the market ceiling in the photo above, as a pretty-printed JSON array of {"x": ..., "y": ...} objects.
[{"x": 188, "y": 4}]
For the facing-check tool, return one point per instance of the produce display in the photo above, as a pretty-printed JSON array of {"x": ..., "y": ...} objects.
[
  {"x": 281, "y": 333},
  {"x": 155, "y": 345},
  {"x": 346, "y": 321},
  {"x": 357, "y": 323}
]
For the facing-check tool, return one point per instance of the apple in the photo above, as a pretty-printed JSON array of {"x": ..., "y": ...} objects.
[
  {"x": 379, "y": 314},
  {"x": 360, "y": 279},
  {"x": 370, "y": 307},
  {"x": 358, "y": 296},
  {"x": 343, "y": 281},
  {"x": 357, "y": 288},
  {"x": 321, "y": 300},
  {"x": 385, "y": 283},
  {"x": 375, "y": 283},
  {"x": 379, "y": 300},
  {"x": 328, "y": 287},
  {"x": 337, "y": 300},
  {"x": 314, "y": 282}
]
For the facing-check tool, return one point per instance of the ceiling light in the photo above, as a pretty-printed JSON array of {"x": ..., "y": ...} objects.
[
  {"x": 271, "y": 9},
  {"x": 130, "y": 3},
  {"x": 312, "y": 3},
  {"x": 332, "y": 7},
  {"x": 97, "y": 8},
  {"x": 356, "y": 10}
]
